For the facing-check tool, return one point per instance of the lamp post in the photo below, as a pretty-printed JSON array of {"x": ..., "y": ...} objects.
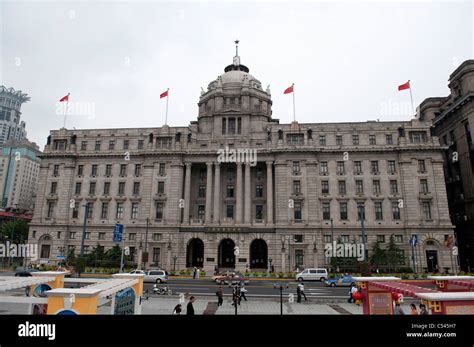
[
  {"x": 174, "y": 262},
  {"x": 332, "y": 241},
  {"x": 270, "y": 261},
  {"x": 146, "y": 244}
]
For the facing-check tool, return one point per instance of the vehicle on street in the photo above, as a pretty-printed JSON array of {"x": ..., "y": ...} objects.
[
  {"x": 230, "y": 278},
  {"x": 139, "y": 272},
  {"x": 155, "y": 276},
  {"x": 161, "y": 290},
  {"x": 21, "y": 272},
  {"x": 343, "y": 281},
  {"x": 312, "y": 274}
]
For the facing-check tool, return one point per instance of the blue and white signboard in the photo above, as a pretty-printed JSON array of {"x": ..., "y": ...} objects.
[
  {"x": 413, "y": 240},
  {"x": 118, "y": 231}
]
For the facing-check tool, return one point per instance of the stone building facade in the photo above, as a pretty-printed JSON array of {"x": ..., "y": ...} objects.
[{"x": 183, "y": 193}]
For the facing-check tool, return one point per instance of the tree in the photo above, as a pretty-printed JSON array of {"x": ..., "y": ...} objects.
[
  {"x": 378, "y": 256},
  {"x": 71, "y": 257},
  {"x": 18, "y": 228},
  {"x": 114, "y": 253},
  {"x": 394, "y": 255}
]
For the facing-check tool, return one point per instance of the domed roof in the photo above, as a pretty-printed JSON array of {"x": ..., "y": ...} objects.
[{"x": 235, "y": 75}]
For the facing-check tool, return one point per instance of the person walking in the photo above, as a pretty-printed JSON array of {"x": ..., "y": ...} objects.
[
  {"x": 220, "y": 296},
  {"x": 194, "y": 273},
  {"x": 298, "y": 294},
  {"x": 235, "y": 296},
  {"x": 198, "y": 273},
  {"x": 190, "y": 307},
  {"x": 423, "y": 310},
  {"x": 177, "y": 309},
  {"x": 413, "y": 310},
  {"x": 243, "y": 290},
  {"x": 351, "y": 293},
  {"x": 301, "y": 285}
]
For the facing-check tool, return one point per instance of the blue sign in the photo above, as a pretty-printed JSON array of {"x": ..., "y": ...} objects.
[
  {"x": 118, "y": 231},
  {"x": 125, "y": 302},
  {"x": 60, "y": 257},
  {"x": 413, "y": 240}
]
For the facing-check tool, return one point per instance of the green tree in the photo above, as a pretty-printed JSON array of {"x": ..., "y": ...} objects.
[
  {"x": 378, "y": 256},
  {"x": 394, "y": 255},
  {"x": 114, "y": 253},
  {"x": 18, "y": 228},
  {"x": 71, "y": 257}
]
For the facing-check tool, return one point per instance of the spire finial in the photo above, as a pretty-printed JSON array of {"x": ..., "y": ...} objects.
[{"x": 236, "y": 47}]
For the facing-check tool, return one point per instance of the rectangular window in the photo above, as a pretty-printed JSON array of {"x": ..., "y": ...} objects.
[
  {"x": 104, "y": 210},
  {"x": 323, "y": 168},
  {"x": 378, "y": 210},
  {"x": 97, "y": 145},
  {"x": 359, "y": 186},
  {"x": 342, "y": 187},
  {"x": 376, "y": 187},
  {"x": 389, "y": 139},
  {"x": 326, "y": 211},
  {"x": 138, "y": 169},
  {"x": 156, "y": 255},
  {"x": 136, "y": 188},
  {"x": 296, "y": 168},
  {"x": 355, "y": 140},
  {"x": 295, "y": 139},
  {"x": 231, "y": 128},
  {"x": 424, "y": 186},
  {"x": 374, "y": 167},
  {"x": 111, "y": 144},
  {"x": 259, "y": 191},
  {"x": 298, "y": 238},
  {"x": 202, "y": 191},
  {"x": 343, "y": 210},
  {"x": 54, "y": 186},
  {"x": 258, "y": 212},
  {"x": 94, "y": 170},
  {"x": 83, "y": 145},
  {"x": 134, "y": 214},
  {"x": 55, "y": 170},
  {"x": 121, "y": 188},
  {"x": 427, "y": 210},
  {"x": 51, "y": 205},
  {"x": 297, "y": 211},
  {"x": 358, "y": 167},
  {"x": 230, "y": 211},
  {"x": 392, "y": 168},
  {"x": 230, "y": 191},
  {"x": 106, "y": 188},
  {"x": 161, "y": 187},
  {"x": 340, "y": 168},
  {"x": 239, "y": 125},
  {"x": 123, "y": 169},
  {"x": 296, "y": 187},
  {"x": 395, "y": 210},
  {"x": 90, "y": 210},
  {"x": 259, "y": 173},
  {"x": 75, "y": 210},
  {"x": 162, "y": 169},
  {"x": 101, "y": 236},
  {"x": 322, "y": 140},
  {"x": 339, "y": 140},
  {"x": 231, "y": 174},
  {"x": 418, "y": 136},
  {"x": 87, "y": 235},
  {"x": 381, "y": 238},
  {"x": 360, "y": 210},
  {"x": 72, "y": 235},
  {"x": 327, "y": 238},
  {"x": 125, "y": 144},
  {"x": 393, "y": 187},
  {"x": 92, "y": 186},
  {"x": 421, "y": 166},
  {"x": 132, "y": 236},
  {"x": 108, "y": 170},
  {"x": 159, "y": 210},
  {"x": 372, "y": 140},
  {"x": 399, "y": 238},
  {"x": 345, "y": 238},
  {"x": 140, "y": 144},
  {"x": 201, "y": 212},
  {"x": 119, "y": 210},
  {"x": 325, "y": 187},
  {"x": 224, "y": 126}
]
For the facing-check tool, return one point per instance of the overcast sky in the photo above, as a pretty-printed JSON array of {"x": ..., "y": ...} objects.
[{"x": 345, "y": 58}]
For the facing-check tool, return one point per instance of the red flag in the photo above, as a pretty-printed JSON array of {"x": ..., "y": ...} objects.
[
  {"x": 404, "y": 86},
  {"x": 164, "y": 95},
  {"x": 288, "y": 90},
  {"x": 65, "y": 98}
]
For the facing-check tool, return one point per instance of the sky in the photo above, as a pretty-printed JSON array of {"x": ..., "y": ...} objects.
[{"x": 115, "y": 58}]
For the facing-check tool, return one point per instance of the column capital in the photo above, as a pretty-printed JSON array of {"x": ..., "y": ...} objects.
[
  {"x": 209, "y": 163},
  {"x": 188, "y": 163},
  {"x": 269, "y": 162}
]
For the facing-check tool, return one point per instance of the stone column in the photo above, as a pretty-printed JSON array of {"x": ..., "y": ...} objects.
[
  {"x": 269, "y": 192},
  {"x": 209, "y": 193},
  {"x": 187, "y": 193},
  {"x": 239, "y": 194},
  {"x": 247, "y": 202},
  {"x": 217, "y": 192}
]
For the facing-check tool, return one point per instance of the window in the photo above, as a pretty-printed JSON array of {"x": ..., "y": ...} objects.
[
  {"x": 259, "y": 212},
  {"x": 239, "y": 125},
  {"x": 297, "y": 211},
  {"x": 75, "y": 210},
  {"x": 134, "y": 214},
  {"x": 372, "y": 140},
  {"x": 121, "y": 188},
  {"x": 159, "y": 210},
  {"x": 389, "y": 139},
  {"x": 156, "y": 255},
  {"x": 378, "y": 210},
  {"x": 355, "y": 140},
  {"x": 55, "y": 170},
  {"x": 125, "y": 144},
  {"x": 92, "y": 186},
  {"x": 327, "y": 238},
  {"x": 224, "y": 126},
  {"x": 360, "y": 210},
  {"x": 97, "y": 145},
  {"x": 231, "y": 126},
  {"x": 395, "y": 210},
  {"x": 342, "y": 187},
  {"x": 140, "y": 144},
  {"x": 90, "y": 209},
  {"x": 376, "y": 187},
  {"x": 343, "y": 210},
  {"x": 295, "y": 139},
  {"x": 340, "y": 168},
  {"x": 393, "y": 187},
  {"x": 230, "y": 191},
  {"x": 374, "y": 167},
  {"x": 108, "y": 170},
  {"x": 161, "y": 187},
  {"x": 298, "y": 238},
  {"x": 323, "y": 168},
  {"x": 259, "y": 173},
  {"x": 202, "y": 191},
  {"x": 51, "y": 205},
  {"x": 363, "y": 239},
  {"x": 83, "y": 145},
  {"x": 119, "y": 211},
  {"x": 230, "y": 211},
  {"x": 426, "y": 210},
  {"x": 424, "y": 186},
  {"x": 421, "y": 166},
  {"x": 72, "y": 235},
  {"x": 417, "y": 136},
  {"x": 326, "y": 211},
  {"x": 101, "y": 236},
  {"x": 111, "y": 144},
  {"x": 201, "y": 212},
  {"x": 136, "y": 188},
  {"x": 296, "y": 187},
  {"x": 339, "y": 140},
  {"x": 359, "y": 186},
  {"x": 381, "y": 238},
  {"x": 259, "y": 191},
  {"x": 162, "y": 169},
  {"x": 87, "y": 236},
  {"x": 132, "y": 236},
  {"x": 106, "y": 188},
  {"x": 296, "y": 168},
  {"x": 392, "y": 167},
  {"x": 138, "y": 169},
  {"x": 345, "y": 238},
  {"x": 94, "y": 170},
  {"x": 123, "y": 169},
  {"x": 325, "y": 187},
  {"x": 358, "y": 167},
  {"x": 104, "y": 210},
  {"x": 54, "y": 186},
  {"x": 399, "y": 238},
  {"x": 322, "y": 140},
  {"x": 231, "y": 174}
]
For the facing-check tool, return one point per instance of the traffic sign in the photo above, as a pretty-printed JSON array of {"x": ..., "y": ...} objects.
[
  {"x": 118, "y": 231},
  {"x": 60, "y": 257}
]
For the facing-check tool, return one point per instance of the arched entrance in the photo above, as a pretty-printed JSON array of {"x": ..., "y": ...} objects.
[
  {"x": 431, "y": 247},
  {"x": 195, "y": 253},
  {"x": 258, "y": 254},
  {"x": 45, "y": 246},
  {"x": 226, "y": 257}
]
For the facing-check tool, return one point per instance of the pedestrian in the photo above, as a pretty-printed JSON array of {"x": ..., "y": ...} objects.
[
  {"x": 423, "y": 310},
  {"x": 198, "y": 273},
  {"x": 177, "y": 309},
  {"x": 301, "y": 285},
  {"x": 220, "y": 296},
  {"x": 273, "y": 268},
  {"x": 398, "y": 310},
  {"x": 413, "y": 309},
  {"x": 351, "y": 293},
  {"x": 216, "y": 270},
  {"x": 298, "y": 294},
  {"x": 190, "y": 307},
  {"x": 235, "y": 296},
  {"x": 194, "y": 273},
  {"x": 243, "y": 290}
]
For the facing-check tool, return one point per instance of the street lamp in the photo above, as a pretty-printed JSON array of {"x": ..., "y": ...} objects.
[
  {"x": 270, "y": 261},
  {"x": 174, "y": 262},
  {"x": 332, "y": 241}
]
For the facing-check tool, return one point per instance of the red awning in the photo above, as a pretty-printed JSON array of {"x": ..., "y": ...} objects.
[
  {"x": 402, "y": 288},
  {"x": 464, "y": 283}
]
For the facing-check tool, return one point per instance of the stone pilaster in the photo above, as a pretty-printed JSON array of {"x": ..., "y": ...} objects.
[
  {"x": 187, "y": 193},
  {"x": 208, "y": 215},
  {"x": 217, "y": 192},
  {"x": 247, "y": 202},
  {"x": 239, "y": 194},
  {"x": 269, "y": 192}
]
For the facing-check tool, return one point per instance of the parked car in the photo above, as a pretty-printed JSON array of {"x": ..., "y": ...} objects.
[
  {"x": 344, "y": 281},
  {"x": 139, "y": 272},
  {"x": 313, "y": 274},
  {"x": 230, "y": 278},
  {"x": 21, "y": 272},
  {"x": 156, "y": 276}
]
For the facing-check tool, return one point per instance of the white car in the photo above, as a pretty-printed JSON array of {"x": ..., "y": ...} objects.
[
  {"x": 154, "y": 276},
  {"x": 313, "y": 274}
]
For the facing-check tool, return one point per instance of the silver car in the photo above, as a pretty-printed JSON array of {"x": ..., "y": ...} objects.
[
  {"x": 154, "y": 276},
  {"x": 319, "y": 274}
]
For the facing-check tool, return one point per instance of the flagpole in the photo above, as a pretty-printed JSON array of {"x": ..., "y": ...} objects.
[
  {"x": 411, "y": 97},
  {"x": 167, "y": 98},
  {"x": 65, "y": 111},
  {"x": 294, "y": 113}
]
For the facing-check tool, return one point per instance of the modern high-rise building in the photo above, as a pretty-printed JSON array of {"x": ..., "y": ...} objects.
[
  {"x": 11, "y": 127},
  {"x": 453, "y": 124},
  {"x": 236, "y": 188},
  {"x": 19, "y": 169}
]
